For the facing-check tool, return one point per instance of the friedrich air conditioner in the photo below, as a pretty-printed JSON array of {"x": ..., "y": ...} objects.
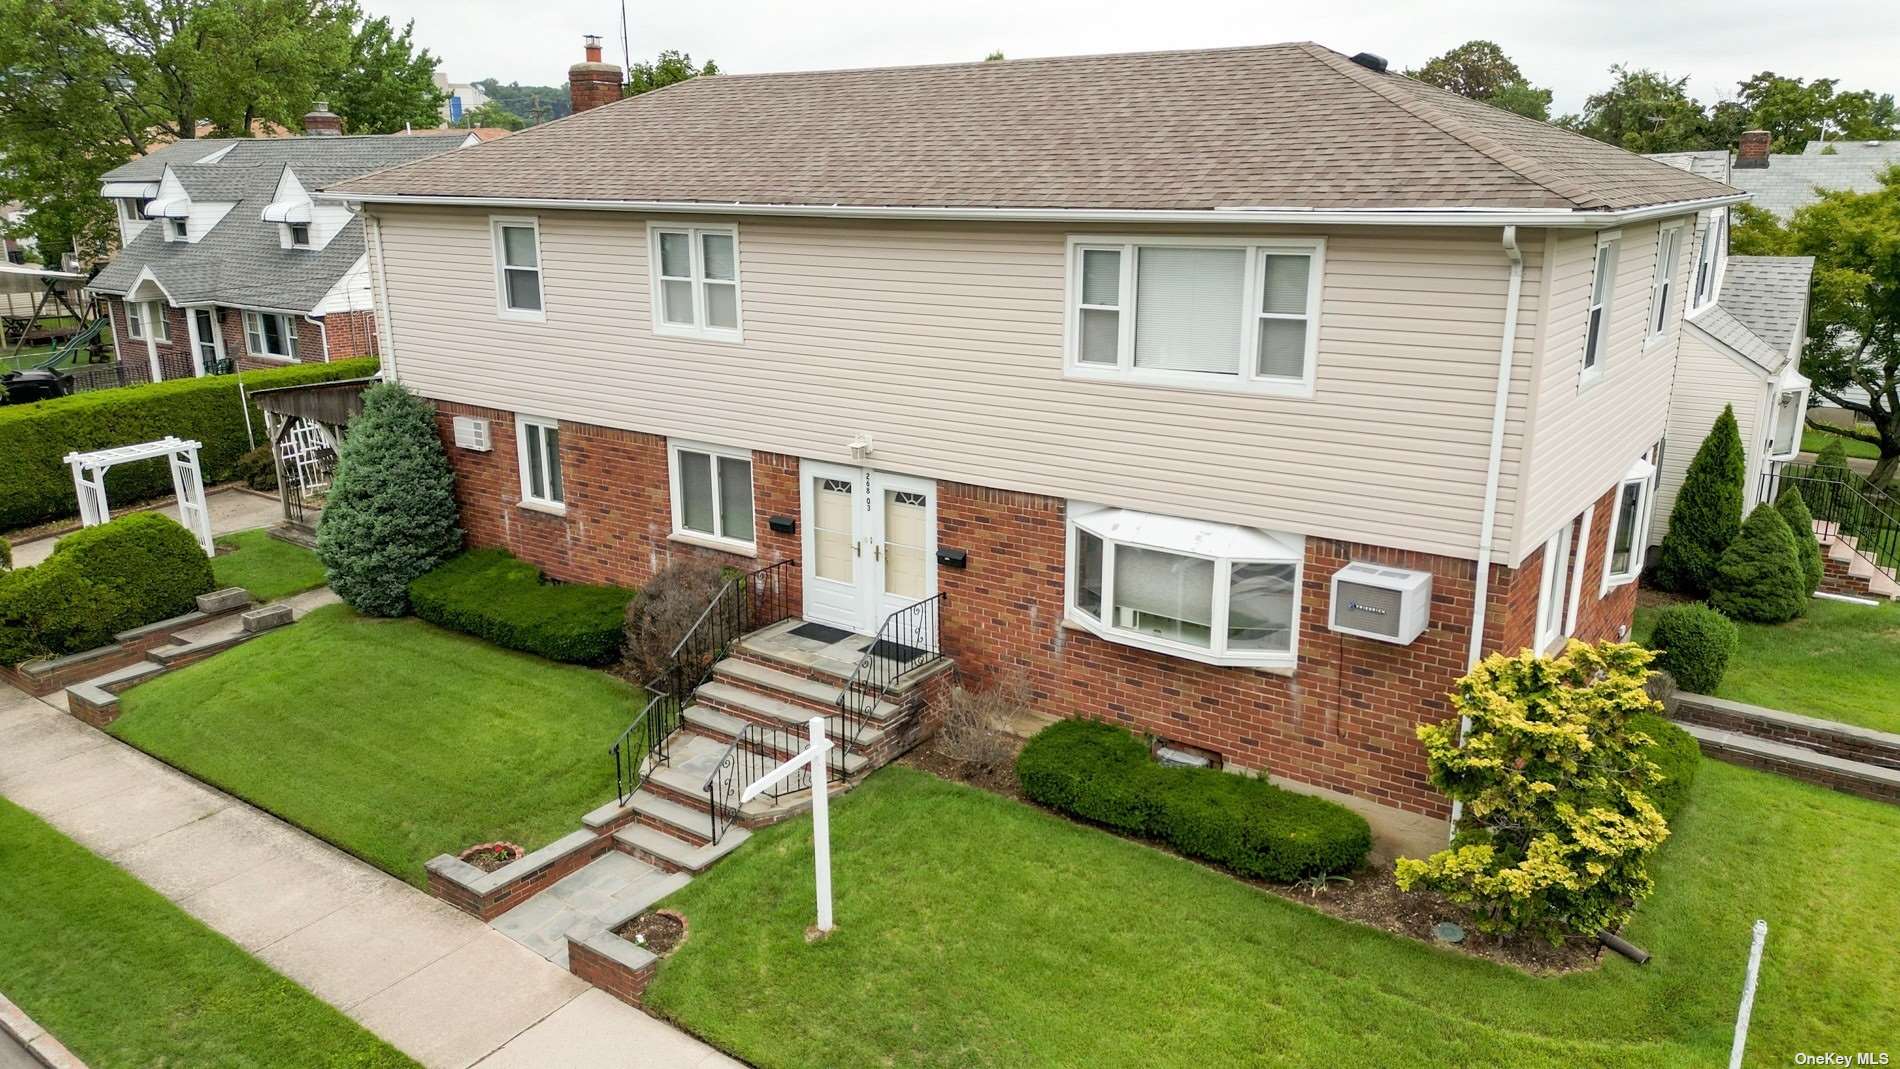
[
  {"x": 472, "y": 433},
  {"x": 1373, "y": 601}
]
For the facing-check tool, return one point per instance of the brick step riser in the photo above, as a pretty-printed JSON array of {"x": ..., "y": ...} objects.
[
  {"x": 1879, "y": 792},
  {"x": 817, "y": 708},
  {"x": 698, "y": 803},
  {"x": 698, "y": 837},
  {"x": 1845, "y": 747},
  {"x": 798, "y": 730},
  {"x": 740, "y": 653}
]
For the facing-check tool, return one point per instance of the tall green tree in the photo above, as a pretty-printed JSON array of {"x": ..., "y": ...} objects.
[
  {"x": 533, "y": 104},
  {"x": 1708, "y": 511},
  {"x": 1480, "y": 70},
  {"x": 387, "y": 84},
  {"x": 1644, "y": 111},
  {"x": 1795, "y": 112},
  {"x": 671, "y": 66},
  {"x": 493, "y": 114}
]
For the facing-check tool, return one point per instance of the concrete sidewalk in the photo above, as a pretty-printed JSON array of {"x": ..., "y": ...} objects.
[{"x": 445, "y": 988}]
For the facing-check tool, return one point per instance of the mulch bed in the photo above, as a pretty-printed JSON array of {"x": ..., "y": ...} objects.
[
  {"x": 1372, "y": 898},
  {"x": 659, "y": 932}
]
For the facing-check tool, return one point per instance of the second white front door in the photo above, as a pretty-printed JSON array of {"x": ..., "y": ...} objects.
[{"x": 870, "y": 544}]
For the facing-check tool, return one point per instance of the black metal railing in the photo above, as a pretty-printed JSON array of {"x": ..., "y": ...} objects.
[
  {"x": 908, "y": 641},
  {"x": 1848, "y": 504},
  {"x": 753, "y": 752},
  {"x": 743, "y": 605}
]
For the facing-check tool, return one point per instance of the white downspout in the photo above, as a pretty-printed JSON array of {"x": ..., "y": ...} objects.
[
  {"x": 1487, "y": 527},
  {"x": 323, "y": 335}
]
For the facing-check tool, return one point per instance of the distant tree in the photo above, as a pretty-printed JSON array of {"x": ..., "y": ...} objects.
[
  {"x": 1644, "y": 111},
  {"x": 671, "y": 66},
  {"x": 1708, "y": 511},
  {"x": 994, "y": 57},
  {"x": 534, "y": 104},
  {"x": 1755, "y": 231},
  {"x": 1795, "y": 112},
  {"x": 493, "y": 114},
  {"x": 1480, "y": 70},
  {"x": 387, "y": 84}
]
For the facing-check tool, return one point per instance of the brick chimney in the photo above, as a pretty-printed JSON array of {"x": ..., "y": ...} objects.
[
  {"x": 593, "y": 83},
  {"x": 322, "y": 122},
  {"x": 1754, "y": 150}
]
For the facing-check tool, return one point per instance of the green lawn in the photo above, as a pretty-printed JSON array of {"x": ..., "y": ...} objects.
[
  {"x": 124, "y": 978},
  {"x": 270, "y": 568},
  {"x": 1813, "y": 440},
  {"x": 1840, "y": 662},
  {"x": 973, "y": 930},
  {"x": 393, "y": 739}
]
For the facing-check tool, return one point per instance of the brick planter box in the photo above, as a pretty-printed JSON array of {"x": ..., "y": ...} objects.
[
  {"x": 612, "y": 964},
  {"x": 48, "y": 674},
  {"x": 490, "y": 894}
]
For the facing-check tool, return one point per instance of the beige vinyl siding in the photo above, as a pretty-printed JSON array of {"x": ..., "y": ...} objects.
[
  {"x": 1585, "y": 437},
  {"x": 944, "y": 343},
  {"x": 1707, "y": 378}
]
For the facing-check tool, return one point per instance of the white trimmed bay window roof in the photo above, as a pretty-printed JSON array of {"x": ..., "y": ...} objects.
[{"x": 1204, "y": 591}]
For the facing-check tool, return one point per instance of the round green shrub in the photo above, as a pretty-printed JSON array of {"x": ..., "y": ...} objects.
[
  {"x": 391, "y": 515},
  {"x": 6, "y": 555},
  {"x": 1676, "y": 755},
  {"x": 491, "y": 595},
  {"x": 99, "y": 581},
  {"x": 1760, "y": 577},
  {"x": 1794, "y": 509},
  {"x": 1708, "y": 511},
  {"x": 1104, "y": 774},
  {"x": 1694, "y": 643},
  {"x": 258, "y": 468}
]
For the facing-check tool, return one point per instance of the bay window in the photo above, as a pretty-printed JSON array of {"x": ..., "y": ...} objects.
[
  {"x": 1205, "y": 591},
  {"x": 538, "y": 445},
  {"x": 1196, "y": 312},
  {"x": 270, "y": 335},
  {"x": 696, "y": 281},
  {"x": 712, "y": 495},
  {"x": 1629, "y": 524}
]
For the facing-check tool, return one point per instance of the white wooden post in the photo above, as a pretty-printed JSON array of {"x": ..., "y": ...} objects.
[
  {"x": 1748, "y": 995},
  {"x": 189, "y": 484},
  {"x": 813, "y": 756}
]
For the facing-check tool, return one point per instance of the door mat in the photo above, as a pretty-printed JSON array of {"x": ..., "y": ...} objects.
[
  {"x": 896, "y": 651},
  {"x": 821, "y": 632}
]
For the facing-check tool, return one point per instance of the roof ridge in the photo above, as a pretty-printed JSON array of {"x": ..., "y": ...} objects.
[
  {"x": 1453, "y": 126},
  {"x": 991, "y": 64}
]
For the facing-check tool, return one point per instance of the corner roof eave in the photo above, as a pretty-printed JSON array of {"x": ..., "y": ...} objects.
[{"x": 1527, "y": 217}]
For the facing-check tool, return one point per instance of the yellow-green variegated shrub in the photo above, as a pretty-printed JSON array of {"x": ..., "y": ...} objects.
[{"x": 1558, "y": 824}]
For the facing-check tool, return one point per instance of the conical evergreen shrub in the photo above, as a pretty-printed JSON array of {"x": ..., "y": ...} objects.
[
  {"x": 1708, "y": 511},
  {"x": 1759, "y": 577},
  {"x": 391, "y": 515},
  {"x": 1794, "y": 509}
]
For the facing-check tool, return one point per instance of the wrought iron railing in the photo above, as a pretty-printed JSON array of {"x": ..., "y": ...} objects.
[
  {"x": 1848, "y": 504},
  {"x": 908, "y": 641},
  {"x": 753, "y": 752},
  {"x": 744, "y": 604}
]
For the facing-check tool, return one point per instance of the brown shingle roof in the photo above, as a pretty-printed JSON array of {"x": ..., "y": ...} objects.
[{"x": 1275, "y": 126}]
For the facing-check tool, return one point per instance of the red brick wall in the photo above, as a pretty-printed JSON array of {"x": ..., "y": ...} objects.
[
  {"x": 351, "y": 334},
  {"x": 174, "y": 354}
]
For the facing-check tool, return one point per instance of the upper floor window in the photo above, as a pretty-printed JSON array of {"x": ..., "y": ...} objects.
[
  {"x": 712, "y": 494},
  {"x": 269, "y": 334},
  {"x": 696, "y": 281},
  {"x": 1596, "y": 338},
  {"x": 1205, "y": 591},
  {"x": 1706, "y": 261},
  {"x": 538, "y": 442},
  {"x": 1668, "y": 242},
  {"x": 177, "y": 229},
  {"x": 518, "y": 268},
  {"x": 297, "y": 235},
  {"x": 1196, "y": 313}
]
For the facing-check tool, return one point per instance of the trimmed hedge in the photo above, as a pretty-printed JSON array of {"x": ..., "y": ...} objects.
[
  {"x": 1761, "y": 577},
  {"x": 1104, "y": 774},
  {"x": 491, "y": 595},
  {"x": 1693, "y": 643},
  {"x": 1794, "y": 509},
  {"x": 1676, "y": 753},
  {"x": 37, "y": 486},
  {"x": 135, "y": 570}
]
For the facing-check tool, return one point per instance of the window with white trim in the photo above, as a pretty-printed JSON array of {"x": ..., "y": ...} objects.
[
  {"x": 1596, "y": 338},
  {"x": 297, "y": 235},
  {"x": 1204, "y": 591},
  {"x": 538, "y": 444},
  {"x": 1668, "y": 240},
  {"x": 518, "y": 267},
  {"x": 177, "y": 229},
  {"x": 269, "y": 334},
  {"x": 1553, "y": 595},
  {"x": 712, "y": 495},
  {"x": 1629, "y": 524},
  {"x": 146, "y": 319},
  {"x": 696, "y": 281},
  {"x": 135, "y": 318},
  {"x": 1196, "y": 313},
  {"x": 1784, "y": 438},
  {"x": 1706, "y": 261}
]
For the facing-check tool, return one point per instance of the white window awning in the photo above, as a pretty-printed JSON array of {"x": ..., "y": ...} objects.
[
  {"x": 1197, "y": 537},
  {"x": 168, "y": 208},
  {"x": 139, "y": 190},
  {"x": 287, "y": 211}
]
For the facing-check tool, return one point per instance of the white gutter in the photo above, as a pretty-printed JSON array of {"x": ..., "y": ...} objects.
[
  {"x": 1551, "y": 217},
  {"x": 323, "y": 333},
  {"x": 1494, "y": 466},
  {"x": 379, "y": 299}
]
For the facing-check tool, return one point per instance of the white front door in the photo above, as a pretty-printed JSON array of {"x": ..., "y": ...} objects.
[
  {"x": 870, "y": 544},
  {"x": 206, "y": 347}
]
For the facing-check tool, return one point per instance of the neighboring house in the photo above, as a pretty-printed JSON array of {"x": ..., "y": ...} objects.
[
  {"x": 463, "y": 97},
  {"x": 1196, "y": 383},
  {"x": 226, "y": 260},
  {"x": 13, "y": 249}
]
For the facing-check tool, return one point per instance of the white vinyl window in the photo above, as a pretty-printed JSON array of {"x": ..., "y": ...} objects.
[
  {"x": 271, "y": 335},
  {"x": 1596, "y": 337},
  {"x": 1196, "y": 313},
  {"x": 538, "y": 443},
  {"x": 712, "y": 495},
  {"x": 1204, "y": 591},
  {"x": 135, "y": 319},
  {"x": 1663, "y": 287},
  {"x": 696, "y": 281},
  {"x": 1791, "y": 407},
  {"x": 1553, "y": 595},
  {"x": 1707, "y": 261},
  {"x": 518, "y": 267},
  {"x": 297, "y": 235},
  {"x": 1629, "y": 524},
  {"x": 177, "y": 229}
]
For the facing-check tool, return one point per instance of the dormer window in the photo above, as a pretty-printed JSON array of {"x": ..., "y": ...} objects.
[
  {"x": 178, "y": 229},
  {"x": 298, "y": 234}
]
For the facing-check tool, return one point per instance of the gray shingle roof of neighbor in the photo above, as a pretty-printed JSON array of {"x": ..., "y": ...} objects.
[
  {"x": 239, "y": 261},
  {"x": 1710, "y": 164},
  {"x": 1792, "y": 181},
  {"x": 1768, "y": 295},
  {"x": 1719, "y": 323},
  {"x": 1273, "y": 126}
]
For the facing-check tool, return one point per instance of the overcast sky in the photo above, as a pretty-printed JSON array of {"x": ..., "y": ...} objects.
[{"x": 1567, "y": 46}]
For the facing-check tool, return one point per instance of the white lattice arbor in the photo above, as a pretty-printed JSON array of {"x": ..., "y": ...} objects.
[{"x": 89, "y": 482}]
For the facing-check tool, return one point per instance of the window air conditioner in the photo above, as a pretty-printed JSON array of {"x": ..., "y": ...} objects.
[
  {"x": 472, "y": 433},
  {"x": 1373, "y": 601}
]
